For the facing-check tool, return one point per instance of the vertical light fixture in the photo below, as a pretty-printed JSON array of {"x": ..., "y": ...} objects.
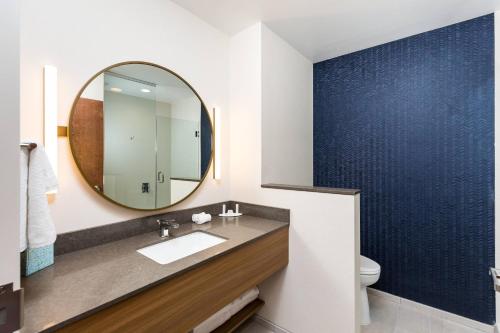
[
  {"x": 50, "y": 114},
  {"x": 217, "y": 148}
]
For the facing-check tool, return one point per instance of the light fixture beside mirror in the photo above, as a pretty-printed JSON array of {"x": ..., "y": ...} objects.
[
  {"x": 141, "y": 136},
  {"x": 217, "y": 149},
  {"x": 50, "y": 115}
]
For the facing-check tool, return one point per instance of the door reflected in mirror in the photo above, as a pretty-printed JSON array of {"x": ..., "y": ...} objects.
[{"x": 141, "y": 136}]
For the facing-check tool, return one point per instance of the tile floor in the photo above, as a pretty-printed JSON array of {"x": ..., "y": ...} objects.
[
  {"x": 391, "y": 317},
  {"x": 253, "y": 327}
]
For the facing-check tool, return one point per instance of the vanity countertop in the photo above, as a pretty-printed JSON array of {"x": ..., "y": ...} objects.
[{"x": 83, "y": 282}]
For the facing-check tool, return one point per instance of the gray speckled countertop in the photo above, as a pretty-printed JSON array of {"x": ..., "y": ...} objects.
[{"x": 83, "y": 282}]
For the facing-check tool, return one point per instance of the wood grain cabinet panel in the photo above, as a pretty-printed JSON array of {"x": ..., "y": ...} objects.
[
  {"x": 181, "y": 303},
  {"x": 87, "y": 135}
]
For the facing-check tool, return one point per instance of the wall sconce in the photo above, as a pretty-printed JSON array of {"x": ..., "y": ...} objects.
[
  {"x": 50, "y": 114},
  {"x": 217, "y": 148}
]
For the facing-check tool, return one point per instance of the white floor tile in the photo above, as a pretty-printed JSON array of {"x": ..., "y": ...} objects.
[
  {"x": 450, "y": 327},
  {"x": 411, "y": 321},
  {"x": 392, "y": 317},
  {"x": 435, "y": 325},
  {"x": 383, "y": 316},
  {"x": 253, "y": 327}
]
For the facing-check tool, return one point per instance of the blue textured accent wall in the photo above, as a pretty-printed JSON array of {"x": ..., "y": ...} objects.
[{"x": 410, "y": 123}]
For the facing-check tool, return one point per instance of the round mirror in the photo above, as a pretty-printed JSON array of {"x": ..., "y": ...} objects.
[{"x": 141, "y": 136}]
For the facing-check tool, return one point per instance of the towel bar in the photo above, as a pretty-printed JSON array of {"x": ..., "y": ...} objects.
[{"x": 29, "y": 145}]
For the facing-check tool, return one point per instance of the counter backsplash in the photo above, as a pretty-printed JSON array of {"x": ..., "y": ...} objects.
[{"x": 82, "y": 239}]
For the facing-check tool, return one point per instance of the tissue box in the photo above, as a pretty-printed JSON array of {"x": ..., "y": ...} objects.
[{"x": 33, "y": 260}]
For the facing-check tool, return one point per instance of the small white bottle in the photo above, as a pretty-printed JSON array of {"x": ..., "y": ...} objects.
[
  {"x": 224, "y": 209},
  {"x": 237, "y": 208}
]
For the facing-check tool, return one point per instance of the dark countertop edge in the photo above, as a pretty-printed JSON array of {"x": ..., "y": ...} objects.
[
  {"x": 331, "y": 190},
  {"x": 156, "y": 283}
]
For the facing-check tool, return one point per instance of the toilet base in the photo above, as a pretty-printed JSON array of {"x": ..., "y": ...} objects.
[{"x": 365, "y": 307}]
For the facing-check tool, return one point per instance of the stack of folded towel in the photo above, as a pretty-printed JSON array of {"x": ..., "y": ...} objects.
[
  {"x": 223, "y": 315},
  {"x": 201, "y": 218}
]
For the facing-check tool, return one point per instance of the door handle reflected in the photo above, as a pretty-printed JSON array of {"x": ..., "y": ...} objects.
[{"x": 161, "y": 177}]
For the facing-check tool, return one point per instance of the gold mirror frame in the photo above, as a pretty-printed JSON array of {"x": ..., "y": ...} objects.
[{"x": 73, "y": 107}]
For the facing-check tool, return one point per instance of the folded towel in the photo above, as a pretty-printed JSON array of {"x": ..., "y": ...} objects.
[
  {"x": 243, "y": 300},
  {"x": 201, "y": 218},
  {"x": 221, "y": 316},
  {"x": 38, "y": 224}
]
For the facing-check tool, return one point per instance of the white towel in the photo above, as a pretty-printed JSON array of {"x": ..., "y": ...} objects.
[
  {"x": 221, "y": 316},
  {"x": 23, "y": 197},
  {"x": 243, "y": 300},
  {"x": 40, "y": 229},
  {"x": 201, "y": 218}
]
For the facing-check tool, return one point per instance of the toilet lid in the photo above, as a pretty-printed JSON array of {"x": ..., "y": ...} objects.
[{"x": 368, "y": 266}]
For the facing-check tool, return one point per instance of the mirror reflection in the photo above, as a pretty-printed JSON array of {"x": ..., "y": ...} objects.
[{"x": 141, "y": 136}]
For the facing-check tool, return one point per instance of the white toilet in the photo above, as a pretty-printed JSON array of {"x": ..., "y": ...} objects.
[{"x": 370, "y": 272}]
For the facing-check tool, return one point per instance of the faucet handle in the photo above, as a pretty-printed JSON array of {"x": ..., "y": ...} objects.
[{"x": 168, "y": 223}]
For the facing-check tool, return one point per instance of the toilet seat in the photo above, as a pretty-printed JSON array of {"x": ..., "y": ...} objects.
[{"x": 368, "y": 266}]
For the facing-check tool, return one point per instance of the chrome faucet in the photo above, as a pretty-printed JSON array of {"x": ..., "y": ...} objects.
[{"x": 165, "y": 226}]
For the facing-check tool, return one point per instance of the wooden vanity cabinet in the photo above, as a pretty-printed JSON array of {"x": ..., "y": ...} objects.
[{"x": 181, "y": 303}]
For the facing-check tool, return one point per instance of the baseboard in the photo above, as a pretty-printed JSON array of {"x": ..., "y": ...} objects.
[
  {"x": 269, "y": 325},
  {"x": 433, "y": 311}
]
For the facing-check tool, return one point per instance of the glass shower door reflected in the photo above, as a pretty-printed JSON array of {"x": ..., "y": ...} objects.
[{"x": 129, "y": 143}]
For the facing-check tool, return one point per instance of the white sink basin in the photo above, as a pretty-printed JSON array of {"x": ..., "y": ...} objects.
[{"x": 180, "y": 247}]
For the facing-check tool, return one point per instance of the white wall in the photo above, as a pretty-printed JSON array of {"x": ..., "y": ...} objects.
[
  {"x": 185, "y": 148},
  {"x": 180, "y": 188},
  {"x": 95, "y": 90},
  {"x": 188, "y": 108},
  {"x": 9, "y": 138},
  {"x": 319, "y": 290},
  {"x": 287, "y": 113},
  {"x": 81, "y": 37},
  {"x": 185, "y": 120}
]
